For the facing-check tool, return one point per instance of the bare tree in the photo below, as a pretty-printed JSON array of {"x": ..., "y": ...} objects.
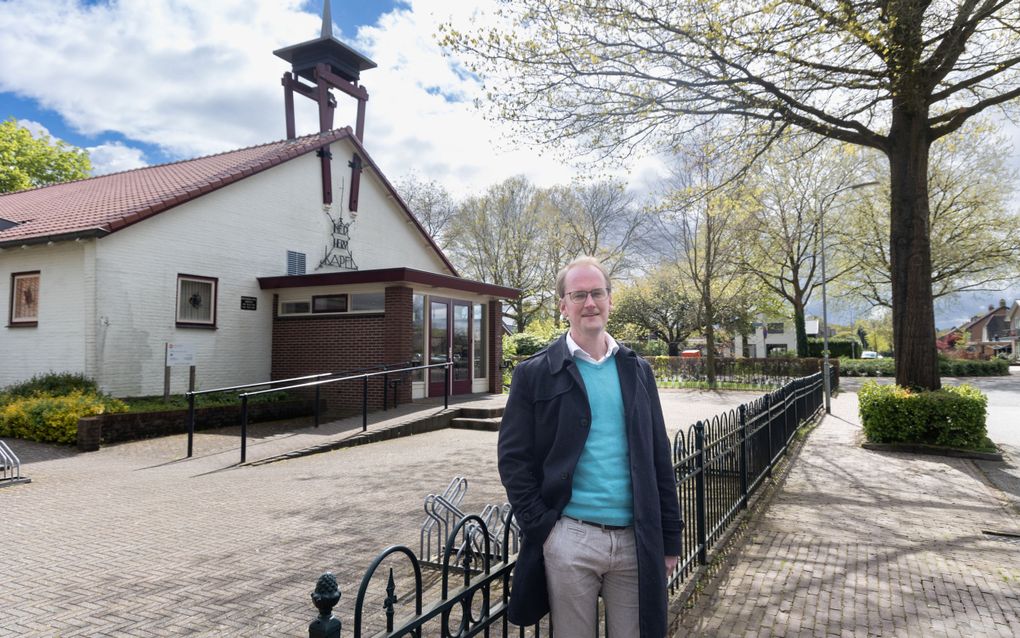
[
  {"x": 502, "y": 237},
  {"x": 431, "y": 203},
  {"x": 893, "y": 76},
  {"x": 599, "y": 219}
]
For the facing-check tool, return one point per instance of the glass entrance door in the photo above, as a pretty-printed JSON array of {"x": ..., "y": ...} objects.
[
  {"x": 461, "y": 348},
  {"x": 439, "y": 343},
  {"x": 450, "y": 340}
]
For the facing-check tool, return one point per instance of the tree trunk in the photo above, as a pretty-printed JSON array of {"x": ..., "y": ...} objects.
[
  {"x": 798, "y": 324},
  {"x": 709, "y": 342},
  {"x": 913, "y": 311},
  {"x": 674, "y": 348}
]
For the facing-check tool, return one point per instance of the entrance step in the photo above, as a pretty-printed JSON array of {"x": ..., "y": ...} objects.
[
  {"x": 485, "y": 424},
  {"x": 481, "y": 413}
]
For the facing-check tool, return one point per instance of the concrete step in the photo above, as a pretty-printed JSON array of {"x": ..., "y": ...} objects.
[
  {"x": 481, "y": 413},
  {"x": 484, "y": 424}
]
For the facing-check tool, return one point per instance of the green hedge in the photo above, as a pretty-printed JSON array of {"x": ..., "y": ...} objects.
[
  {"x": 52, "y": 419},
  {"x": 867, "y": 367},
  {"x": 950, "y": 417},
  {"x": 947, "y": 367},
  {"x": 837, "y": 348}
]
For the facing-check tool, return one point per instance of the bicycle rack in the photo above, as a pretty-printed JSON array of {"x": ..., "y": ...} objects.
[
  {"x": 443, "y": 513},
  {"x": 10, "y": 467}
]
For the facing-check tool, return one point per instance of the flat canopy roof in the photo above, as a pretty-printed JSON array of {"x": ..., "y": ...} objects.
[{"x": 388, "y": 275}]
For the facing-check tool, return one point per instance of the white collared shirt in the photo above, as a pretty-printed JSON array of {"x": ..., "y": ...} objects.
[{"x": 577, "y": 351}]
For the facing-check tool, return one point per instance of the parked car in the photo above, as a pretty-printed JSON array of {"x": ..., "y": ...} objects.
[{"x": 870, "y": 354}]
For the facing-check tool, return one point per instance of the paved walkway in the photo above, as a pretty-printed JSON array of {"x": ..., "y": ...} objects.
[
  {"x": 860, "y": 543},
  {"x": 135, "y": 540}
]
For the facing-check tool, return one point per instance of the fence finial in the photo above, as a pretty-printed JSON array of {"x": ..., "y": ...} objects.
[{"x": 326, "y": 596}]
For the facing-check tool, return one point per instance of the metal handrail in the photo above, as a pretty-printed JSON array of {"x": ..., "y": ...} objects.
[
  {"x": 191, "y": 394},
  {"x": 364, "y": 395}
]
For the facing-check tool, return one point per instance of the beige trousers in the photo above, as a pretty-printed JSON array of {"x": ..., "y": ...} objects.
[{"x": 582, "y": 561}]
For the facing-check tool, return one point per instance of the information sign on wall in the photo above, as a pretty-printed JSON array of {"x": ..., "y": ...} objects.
[
  {"x": 180, "y": 354},
  {"x": 249, "y": 303}
]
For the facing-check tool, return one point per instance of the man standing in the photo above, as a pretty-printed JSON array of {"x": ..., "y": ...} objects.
[{"x": 586, "y": 463}]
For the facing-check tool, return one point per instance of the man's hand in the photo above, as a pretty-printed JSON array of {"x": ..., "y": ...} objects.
[{"x": 671, "y": 562}]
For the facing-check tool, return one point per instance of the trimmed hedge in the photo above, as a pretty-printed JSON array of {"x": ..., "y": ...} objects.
[
  {"x": 837, "y": 348},
  {"x": 950, "y": 417},
  {"x": 52, "y": 419},
  {"x": 947, "y": 367}
]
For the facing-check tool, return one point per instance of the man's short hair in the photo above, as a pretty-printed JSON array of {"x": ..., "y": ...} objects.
[{"x": 586, "y": 260}]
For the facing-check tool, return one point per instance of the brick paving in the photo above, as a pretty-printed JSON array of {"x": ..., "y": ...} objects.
[
  {"x": 135, "y": 540},
  {"x": 860, "y": 543}
]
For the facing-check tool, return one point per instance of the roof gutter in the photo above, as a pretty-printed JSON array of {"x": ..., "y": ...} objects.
[{"x": 90, "y": 233}]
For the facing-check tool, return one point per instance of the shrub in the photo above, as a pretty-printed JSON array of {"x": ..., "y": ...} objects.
[
  {"x": 525, "y": 344},
  {"x": 867, "y": 367},
  {"x": 52, "y": 384},
  {"x": 53, "y": 419},
  {"x": 951, "y": 417},
  {"x": 953, "y": 367}
]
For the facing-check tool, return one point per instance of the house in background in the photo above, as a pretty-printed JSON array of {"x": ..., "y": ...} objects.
[
  {"x": 1013, "y": 326},
  {"x": 989, "y": 334},
  {"x": 775, "y": 336},
  {"x": 283, "y": 259}
]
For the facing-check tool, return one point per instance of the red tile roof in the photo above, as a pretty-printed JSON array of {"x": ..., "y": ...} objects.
[{"x": 102, "y": 205}]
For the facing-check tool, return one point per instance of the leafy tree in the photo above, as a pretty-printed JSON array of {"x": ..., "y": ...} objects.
[
  {"x": 502, "y": 237},
  {"x": 703, "y": 217},
  {"x": 658, "y": 304},
  {"x": 28, "y": 162},
  {"x": 431, "y": 203},
  {"x": 795, "y": 185},
  {"x": 975, "y": 226},
  {"x": 893, "y": 76}
]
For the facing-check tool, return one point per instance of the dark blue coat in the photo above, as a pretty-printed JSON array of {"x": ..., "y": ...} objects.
[{"x": 541, "y": 438}]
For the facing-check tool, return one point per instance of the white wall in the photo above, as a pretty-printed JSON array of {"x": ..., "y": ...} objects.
[
  {"x": 59, "y": 341},
  {"x": 108, "y": 309}
]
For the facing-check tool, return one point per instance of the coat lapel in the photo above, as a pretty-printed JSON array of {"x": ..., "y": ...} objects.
[
  {"x": 559, "y": 358},
  {"x": 627, "y": 368}
]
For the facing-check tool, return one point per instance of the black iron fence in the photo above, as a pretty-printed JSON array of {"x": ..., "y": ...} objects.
[{"x": 719, "y": 464}]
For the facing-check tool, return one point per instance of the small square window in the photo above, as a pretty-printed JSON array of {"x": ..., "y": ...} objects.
[
  {"x": 329, "y": 303},
  {"x": 775, "y": 328},
  {"x": 196, "y": 300},
  {"x": 24, "y": 309}
]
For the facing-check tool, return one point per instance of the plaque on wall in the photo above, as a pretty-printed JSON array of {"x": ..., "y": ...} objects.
[{"x": 249, "y": 303}]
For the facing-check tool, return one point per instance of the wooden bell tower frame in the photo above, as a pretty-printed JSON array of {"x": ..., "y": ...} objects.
[{"x": 328, "y": 64}]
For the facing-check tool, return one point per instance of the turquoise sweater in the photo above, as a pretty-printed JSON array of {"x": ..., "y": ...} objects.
[{"x": 601, "y": 486}]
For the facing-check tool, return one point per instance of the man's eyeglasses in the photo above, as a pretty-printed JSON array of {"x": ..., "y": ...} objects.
[{"x": 580, "y": 296}]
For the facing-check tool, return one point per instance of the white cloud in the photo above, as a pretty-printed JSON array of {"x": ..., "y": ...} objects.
[
  {"x": 35, "y": 128},
  {"x": 195, "y": 77},
  {"x": 114, "y": 158}
]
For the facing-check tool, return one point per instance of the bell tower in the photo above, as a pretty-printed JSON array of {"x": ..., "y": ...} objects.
[{"x": 327, "y": 64}]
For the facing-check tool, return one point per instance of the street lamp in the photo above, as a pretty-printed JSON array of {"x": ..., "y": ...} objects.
[{"x": 825, "y": 305}]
